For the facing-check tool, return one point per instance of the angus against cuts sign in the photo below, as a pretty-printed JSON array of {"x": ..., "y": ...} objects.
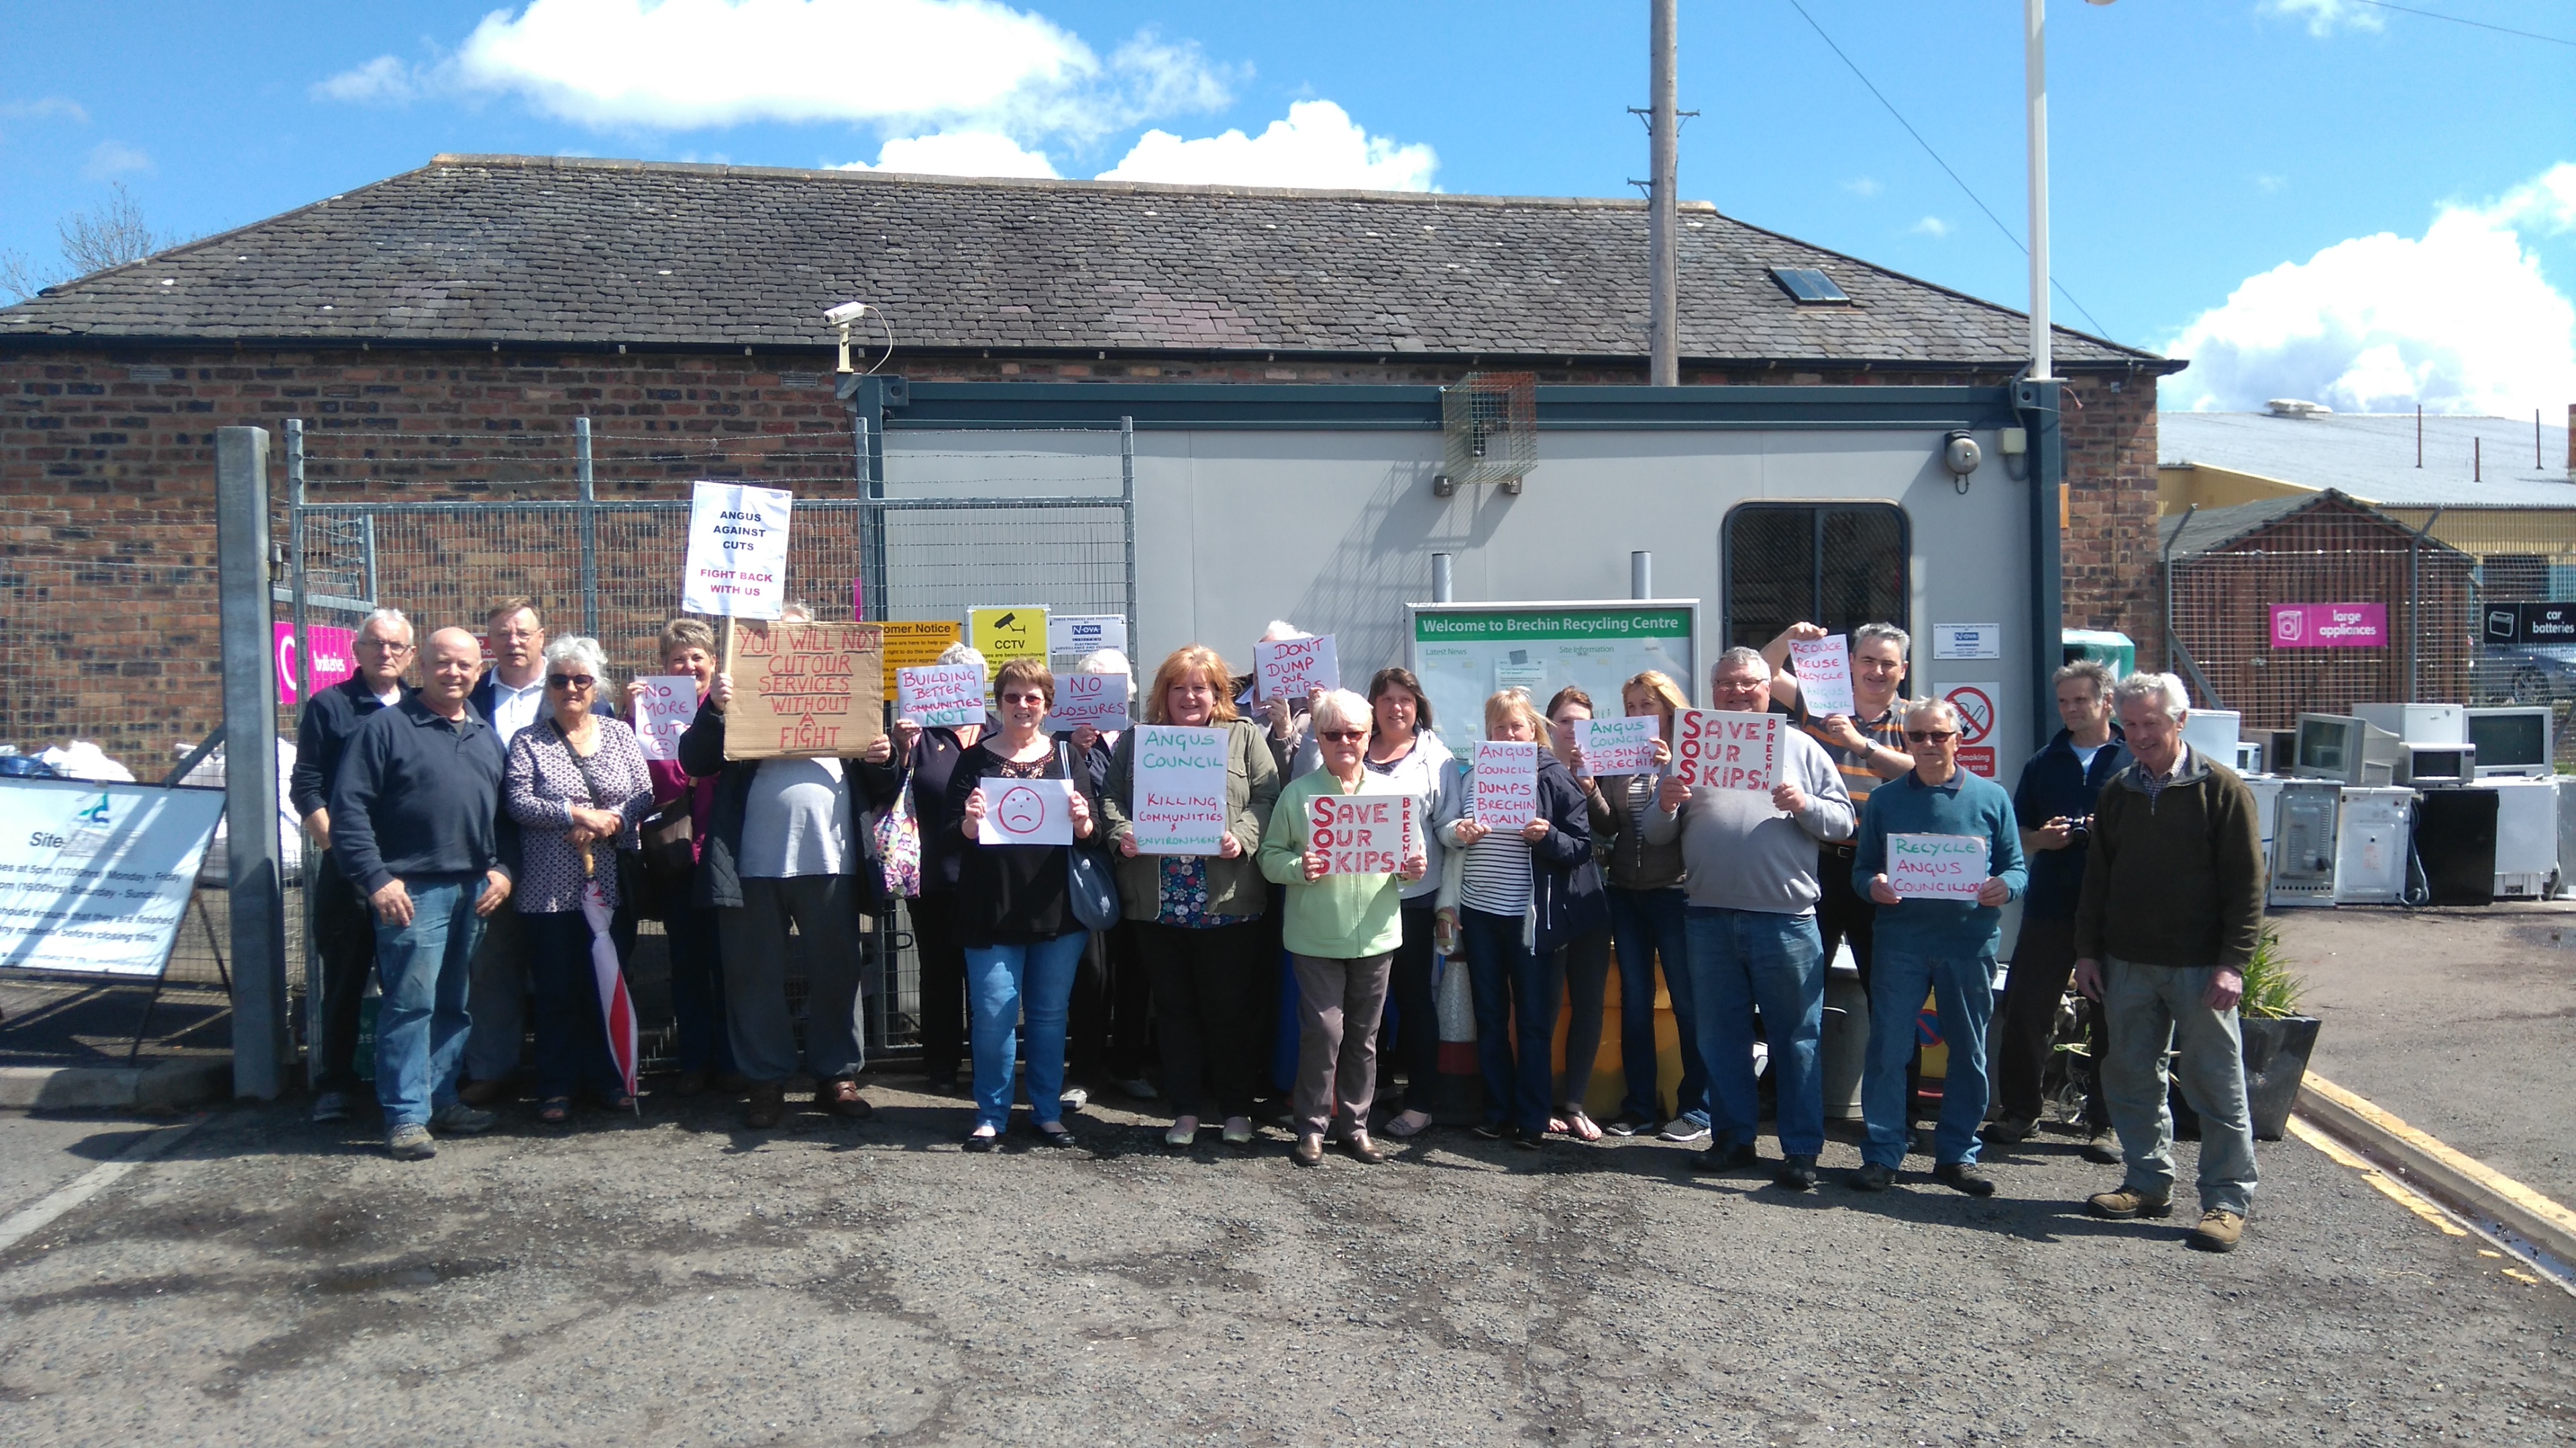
[{"x": 805, "y": 690}]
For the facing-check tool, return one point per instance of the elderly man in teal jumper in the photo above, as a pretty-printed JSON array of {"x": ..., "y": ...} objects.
[{"x": 1954, "y": 861}]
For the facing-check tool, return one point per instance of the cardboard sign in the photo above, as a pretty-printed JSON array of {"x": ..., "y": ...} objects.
[
  {"x": 1506, "y": 784},
  {"x": 335, "y": 656},
  {"x": 1099, "y": 700},
  {"x": 1291, "y": 668},
  {"x": 949, "y": 694},
  {"x": 1004, "y": 634},
  {"x": 737, "y": 564},
  {"x": 1936, "y": 867},
  {"x": 663, "y": 712},
  {"x": 1823, "y": 667},
  {"x": 1178, "y": 803},
  {"x": 805, "y": 690},
  {"x": 96, "y": 878},
  {"x": 1026, "y": 812},
  {"x": 914, "y": 645},
  {"x": 1361, "y": 834},
  {"x": 1073, "y": 637},
  {"x": 2329, "y": 625},
  {"x": 1715, "y": 749},
  {"x": 1617, "y": 746}
]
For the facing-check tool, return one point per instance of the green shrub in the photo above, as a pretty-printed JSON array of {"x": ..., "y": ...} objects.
[{"x": 2271, "y": 987}]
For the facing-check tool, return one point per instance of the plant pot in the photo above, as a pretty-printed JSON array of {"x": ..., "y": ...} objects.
[{"x": 2276, "y": 1061}]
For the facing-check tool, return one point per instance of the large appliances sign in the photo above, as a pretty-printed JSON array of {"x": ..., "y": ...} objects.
[{"x": 2329, "y": 625}]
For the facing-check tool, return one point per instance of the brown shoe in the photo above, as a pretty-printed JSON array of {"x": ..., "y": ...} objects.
[
  {"x": 1309, "y": 1151},
  {"x": 2128, "y": 1203},
  {"x": 1357, "y": 1143},
  {"x": 840, "y": 1097},
  {"x": 2219, "y": 1231},
  {"x": 483, "y": 1093},
  {"x": 768, "y": 1106}
]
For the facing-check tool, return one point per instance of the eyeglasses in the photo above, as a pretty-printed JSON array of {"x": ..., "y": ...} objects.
[
  {"x": 569, "y": 681},
  {"x": 390, "y": 646},
  {"x": 1024, "y": 698},
  {"x": 1342, "y": 736},
  {"x": 1929, "y": 736}
]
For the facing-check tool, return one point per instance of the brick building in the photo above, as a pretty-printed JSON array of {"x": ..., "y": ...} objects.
[{"x": 439, "y": 331}]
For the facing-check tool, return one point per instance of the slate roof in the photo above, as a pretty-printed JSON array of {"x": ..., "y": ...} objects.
[
  {"x": 538, "y": 250},
  {"x": 2372, "y": 455},
  {"x": 2205, "y": 530}
]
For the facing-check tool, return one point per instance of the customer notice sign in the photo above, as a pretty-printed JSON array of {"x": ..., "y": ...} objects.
[{"x": 95, "y": 878}]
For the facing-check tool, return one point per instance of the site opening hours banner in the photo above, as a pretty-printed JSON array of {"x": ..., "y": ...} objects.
[
  {"x": 1464, "y": 653},
  {"x": 96, "y": 878}
]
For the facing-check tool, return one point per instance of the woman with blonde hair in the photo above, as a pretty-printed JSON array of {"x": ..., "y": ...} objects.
[
  {"x": 1646, "y": 899},
  {"x": 1197, "y": 917}
]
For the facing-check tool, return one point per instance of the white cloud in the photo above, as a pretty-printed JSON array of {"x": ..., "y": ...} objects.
[
  {"x": 114, "y": 158},
  {"x": 1317, "y": 146},
  {"x": 959, "y": 153},
  {"x": 1863, "y": 186},
  {"x": 2324, "y": 16},
  {"x": 1931, "y": 226},
  {"x": 689, "y": 64},
  {"x": 45, "y": 108},
  {"x": 2460, "y": 320}
]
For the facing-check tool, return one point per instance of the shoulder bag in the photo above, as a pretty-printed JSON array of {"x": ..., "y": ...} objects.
[{"x": 1088, "y": 877}]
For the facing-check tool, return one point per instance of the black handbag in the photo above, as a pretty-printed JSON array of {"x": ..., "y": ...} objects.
[
  {"x": 1089, "y": 879},
  {"x": 669, "y": 859}
]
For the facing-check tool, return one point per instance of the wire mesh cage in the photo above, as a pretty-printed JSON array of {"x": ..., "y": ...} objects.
[{"x": 1490, "y": 425}]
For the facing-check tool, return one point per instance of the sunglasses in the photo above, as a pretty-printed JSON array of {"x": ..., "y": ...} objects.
[
  {"x": 1024, "y": 698},
  {"x": 1342, "y": 736},
  {"x": 569, "y": 681},
  {"x": 1930, "y": 736}
]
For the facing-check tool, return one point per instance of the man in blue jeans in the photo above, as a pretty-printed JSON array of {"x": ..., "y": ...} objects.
[
  {"x": 1954, "y": 833},
  {"x": 1751, "y": 923},
  {"x": 416, "y": 826}
]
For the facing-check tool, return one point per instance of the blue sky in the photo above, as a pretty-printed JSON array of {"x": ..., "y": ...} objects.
[{"x": 2310, "y": 197}]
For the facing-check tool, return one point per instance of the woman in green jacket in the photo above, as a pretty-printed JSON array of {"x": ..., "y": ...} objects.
[{"x": 1344, "y": 920}]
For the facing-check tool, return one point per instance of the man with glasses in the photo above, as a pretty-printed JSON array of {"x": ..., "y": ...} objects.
[
  {"x": 344, "y": 932},
  {"x": 1955, "y": 825},
  {"x": 415, "y": 819},
  {"x": 1751, "y": 931}
]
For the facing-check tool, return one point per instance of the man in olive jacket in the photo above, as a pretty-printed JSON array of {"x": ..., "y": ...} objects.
[{"x": 2171, "y": 910}]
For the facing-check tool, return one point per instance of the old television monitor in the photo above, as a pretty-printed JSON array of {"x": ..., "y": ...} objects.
[
  {"x": 2512, "y": 739},
  {"x": 2344, "y": 749},
  {"x": 2420, "y": 764}
]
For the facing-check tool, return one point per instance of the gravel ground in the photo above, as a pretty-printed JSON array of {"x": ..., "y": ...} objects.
[{"x": 671, "y": 1281}]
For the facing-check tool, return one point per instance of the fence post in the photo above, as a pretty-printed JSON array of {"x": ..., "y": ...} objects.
[
  {"x": 589, "y": 528},
  {"x": 295, "y": 553},
  {"x": 2415, "y": 607},
  {"x": 250, "y": 761},
  {"x": 2037, "y": 399},
  {"x": 1127, "y": 520}
]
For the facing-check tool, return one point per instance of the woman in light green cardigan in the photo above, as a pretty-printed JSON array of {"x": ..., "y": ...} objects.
[{"x": 1342, "y": 926}]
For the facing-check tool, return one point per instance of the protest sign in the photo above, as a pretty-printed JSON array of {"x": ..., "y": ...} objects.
[
  {"x": 804, "y": 690},
  {"x": 663, "y": 709},
  {"x": 1178, "y": 804},
  {"x": 1004, "y": 634},
  {"x": 1617, "y": 746},
  {"x": 1716, "y": 749},
  {"x": 1074, "y": 636},
  {"x": 1026, "y": 812},
  {"x": 940, "y": 694},
  {"x": 1506, "y": 784},
  {"x": 1936, "y": 867},
  {"x": 96, "y": 878},
  {"x": 1288, "y": 668},
  {"x": 1823, "y": 667},
  {"x": 914, "y": 645},
  {"x": 737, "y": 564},
  {"x": 1361, "y": 834},
  {"x": 1099, "y": 700}
]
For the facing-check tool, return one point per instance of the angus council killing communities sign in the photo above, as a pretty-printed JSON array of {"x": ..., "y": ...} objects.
[
  {"x": 1464, "y": 652},
  {"x": 95, "y": 878}
]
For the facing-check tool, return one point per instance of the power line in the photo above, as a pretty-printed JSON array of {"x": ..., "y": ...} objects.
[
  {"x": 2060, "y": 288},
  {"x": 2462, "y": 20}
]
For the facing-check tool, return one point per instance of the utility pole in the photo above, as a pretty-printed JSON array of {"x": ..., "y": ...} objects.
[
  {"x": 2035, "y": 88},
  {"x": 1663, "y": 128}
]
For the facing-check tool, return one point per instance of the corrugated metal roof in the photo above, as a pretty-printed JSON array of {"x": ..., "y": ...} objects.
[{"x": 2372, "y": 455}]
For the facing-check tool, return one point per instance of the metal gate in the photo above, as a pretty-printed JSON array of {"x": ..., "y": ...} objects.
[{"x": 610, "y": 568}]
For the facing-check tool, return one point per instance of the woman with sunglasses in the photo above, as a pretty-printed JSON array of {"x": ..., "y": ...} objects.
[
  {"x": 577, "y": 786},
  {"x": 1015, "y": 910}
]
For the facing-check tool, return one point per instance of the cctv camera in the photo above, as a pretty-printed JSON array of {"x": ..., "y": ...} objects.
[{"x": 846, "y": 314}]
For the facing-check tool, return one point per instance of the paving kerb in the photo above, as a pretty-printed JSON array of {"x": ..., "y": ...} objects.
[
  {"x": 2450, "y": 1175},
  {"x": 165, "y": 1087},
  {"x": 674, "y": 1279}
]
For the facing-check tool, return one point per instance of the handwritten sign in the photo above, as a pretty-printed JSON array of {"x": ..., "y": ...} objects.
[
  {"x": 663, "y": 710},
  {"x": 1936, "y": 867},
  {"x": 1026, "y": 812},
  {"x": 1715, "y": 749},
  {"x": 913, "y": 644},
  {"x": 1099, "y": 700},
  {"x": 1617, "y": 746},
  {"x": 940, "y": 694},
  {"x": 1178, "y": 806},
  {"x": 1506, "y": 784},
  {"x": 1073, "y": 637},
  {"x": 1361, "y": 834},
  {"x": 1823, "y": 667},
  {"x": 1290, "y": 668},
  {"x": 737, "y": 562},
  {"x": 1004, "y": 634},
  {"x": 805, "y": 690}
]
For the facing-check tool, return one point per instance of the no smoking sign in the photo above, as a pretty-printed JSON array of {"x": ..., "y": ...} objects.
[{"x": 1976, "y": 706}]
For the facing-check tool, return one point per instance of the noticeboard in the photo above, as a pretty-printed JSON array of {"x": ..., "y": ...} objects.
[
  {"x": 1464, "y": 652},
  {"x": 96, "y": 878}
]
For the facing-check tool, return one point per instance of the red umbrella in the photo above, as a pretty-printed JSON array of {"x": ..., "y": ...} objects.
[{"x": 616, "y": 1008}]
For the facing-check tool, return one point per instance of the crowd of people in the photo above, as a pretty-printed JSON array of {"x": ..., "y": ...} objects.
[{"x": 487, "y": 829}]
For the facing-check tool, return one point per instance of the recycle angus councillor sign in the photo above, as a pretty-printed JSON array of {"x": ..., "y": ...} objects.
[{"x": 805, "y": 690}]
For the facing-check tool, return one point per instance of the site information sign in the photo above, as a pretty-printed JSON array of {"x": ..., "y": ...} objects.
[
  {"x": 1465, "y": 651},
  {"x": 95, "y": 878}
]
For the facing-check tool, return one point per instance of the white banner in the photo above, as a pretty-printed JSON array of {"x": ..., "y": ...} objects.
[
  {"x": 1936, "y": 867},
  {"x": 96, "y": 878},
  {"x": 664, "y": 711},
  {"x": 1506, "y": 784},
  {"x": 737, "y": 565},
  {"x": 1026, "y": 812},
  {"x": 1178, "y": 779},
  {"x": 1290, "y": 668},
  {"x": 1823, "y": 667}
]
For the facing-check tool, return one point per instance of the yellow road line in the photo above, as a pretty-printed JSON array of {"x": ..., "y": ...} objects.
[{"x": 2395, "y": 1191}]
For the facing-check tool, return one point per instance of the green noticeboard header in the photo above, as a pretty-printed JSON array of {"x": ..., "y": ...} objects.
[{"x": 1487, "y": 626}]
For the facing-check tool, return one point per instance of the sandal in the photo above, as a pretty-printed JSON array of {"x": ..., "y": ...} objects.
[
  {"x": 555, "y": 1110},
  {"x": 1406, "y": 1125},
  {"x": 1580, "y": 1126}
]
